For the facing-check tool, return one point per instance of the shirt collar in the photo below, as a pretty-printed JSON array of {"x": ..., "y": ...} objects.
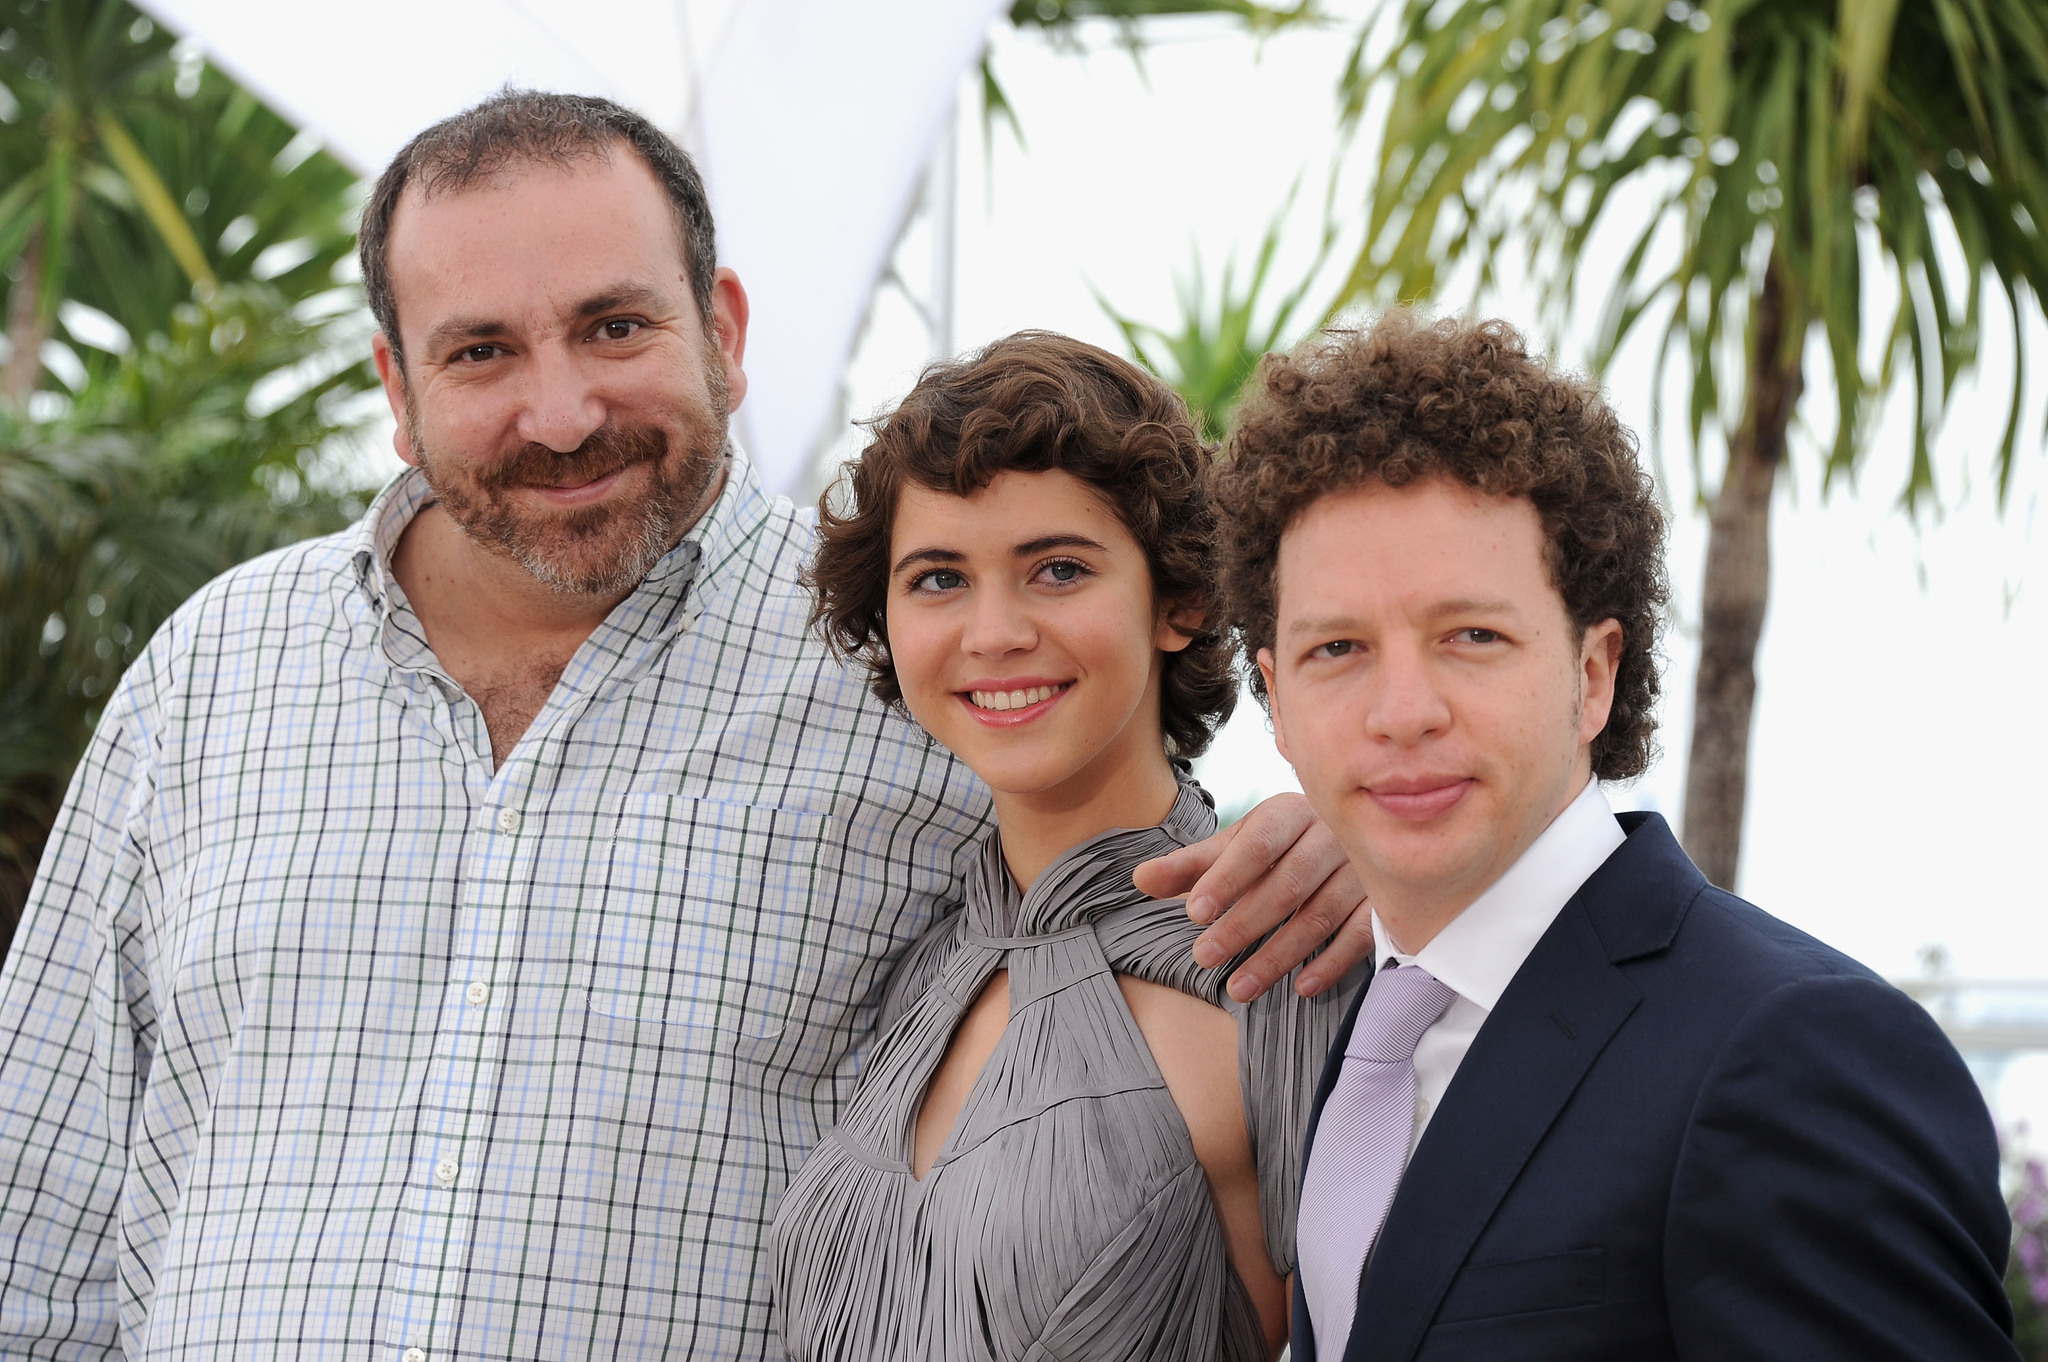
[
  {"x": 1480, "y": 950},
  {"x": 719, "y": 535},
  {"x": 375, "y": 537},
  {"x": 724, "y": 536}
]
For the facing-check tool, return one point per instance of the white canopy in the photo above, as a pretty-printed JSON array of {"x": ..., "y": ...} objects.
[{"x": 812, "y": 121}]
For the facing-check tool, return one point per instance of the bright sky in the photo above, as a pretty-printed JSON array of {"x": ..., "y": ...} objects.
[{"x": 1901, "y": 737}]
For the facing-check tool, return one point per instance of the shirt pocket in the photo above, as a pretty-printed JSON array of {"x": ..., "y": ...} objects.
[{"x": 706, "y": 914}]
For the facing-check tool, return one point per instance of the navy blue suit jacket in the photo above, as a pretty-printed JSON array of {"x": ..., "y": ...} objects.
[{"x": 1690, "y": 1131}]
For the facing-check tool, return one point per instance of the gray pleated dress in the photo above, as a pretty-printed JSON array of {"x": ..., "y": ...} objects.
[{"x": 1066, "y": 1215}]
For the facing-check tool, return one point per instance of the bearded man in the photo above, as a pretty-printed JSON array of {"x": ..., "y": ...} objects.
[{"x": 462, "y": 925}]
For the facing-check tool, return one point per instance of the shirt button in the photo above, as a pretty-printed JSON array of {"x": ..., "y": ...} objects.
[
  {"x": 478, "y": 993},
  {"x": 508, "y": 820},
  {"x": 413, "y": 1355},
  {"x": 445, "y": 1173}
]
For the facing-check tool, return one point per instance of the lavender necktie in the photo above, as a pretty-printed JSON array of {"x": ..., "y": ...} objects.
[{"x": 1361, "y": 1147}]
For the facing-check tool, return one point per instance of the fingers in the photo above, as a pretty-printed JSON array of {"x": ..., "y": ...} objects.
[
  {"x": 1336, "y": 919},
  {"x": 1352, "y": 943},
  {"x": 1271, "y": 861},
  {"x": 1277, "y": 870},
  {"x": 1262, "y": 880},
  {"x": 1174, "y": 874}
]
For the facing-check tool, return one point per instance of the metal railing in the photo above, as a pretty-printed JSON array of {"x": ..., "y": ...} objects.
[
  {"x": 1989, "y": 1017},
  {"x": 1992, "y": 1022}
]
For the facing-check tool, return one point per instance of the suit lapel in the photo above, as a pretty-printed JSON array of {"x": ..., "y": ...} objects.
[{"x": 1552, "y": 1023}]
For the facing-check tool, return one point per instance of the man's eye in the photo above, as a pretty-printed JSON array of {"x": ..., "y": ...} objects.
[
  {"x": 478, "y": 354},
  {"x": 618, "y": 328},
  {"x": 1477, "y": 636},
  {"x": 939, "y": 579},
  {"x": 1336, "y": 647}
]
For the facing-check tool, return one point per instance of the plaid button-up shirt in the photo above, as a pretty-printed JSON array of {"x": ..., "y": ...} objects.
[{"x": 325, "y": 1039}]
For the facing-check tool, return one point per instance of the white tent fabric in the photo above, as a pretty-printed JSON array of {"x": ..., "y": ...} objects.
[{"x": 811, "y": 119}]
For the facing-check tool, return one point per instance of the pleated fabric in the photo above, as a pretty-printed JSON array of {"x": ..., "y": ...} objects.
[{"x": 1066, "y": 1215}]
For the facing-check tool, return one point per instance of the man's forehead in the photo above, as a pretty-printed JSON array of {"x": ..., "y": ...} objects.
[
  {"x": 1431, "y": 544},
  {"x": 1413, "y": 495},
  {"x": 1427, "y": 511},
  {"x": 549, "y": 235},
  {"x": 465, "y": 191}
]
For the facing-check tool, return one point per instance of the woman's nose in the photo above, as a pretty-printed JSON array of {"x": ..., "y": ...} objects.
[{"x": 998, "y": 625}]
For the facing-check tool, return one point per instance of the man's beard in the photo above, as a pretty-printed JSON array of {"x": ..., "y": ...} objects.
[{"x": 602, "y": 550}]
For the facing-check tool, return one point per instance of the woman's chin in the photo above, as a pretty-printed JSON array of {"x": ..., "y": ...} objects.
[{"x": 1022, "y": 780}]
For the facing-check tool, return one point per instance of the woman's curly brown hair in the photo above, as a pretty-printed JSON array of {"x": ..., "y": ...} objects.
[
  {"x": 1407, "y": 399},
  {"x": 1030, "y": 403}
]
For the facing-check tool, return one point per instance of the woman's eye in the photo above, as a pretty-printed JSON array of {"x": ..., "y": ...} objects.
[
  {"x": 618, "y": 329},
  {"x": 939, "y": 579},
  {"x": 1064, "y": 570}
]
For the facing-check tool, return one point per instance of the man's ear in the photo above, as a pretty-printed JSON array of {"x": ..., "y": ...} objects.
[
  {"x": 392, "y": 373},
  {"x": 1177, "y": 628},
  {"x": 1599, "y": 669},
  {"x": 1265, "y": 661},
  {"x": 729, "y": 312}
]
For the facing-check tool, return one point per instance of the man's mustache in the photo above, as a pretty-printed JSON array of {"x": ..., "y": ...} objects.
[{"x": 607, "y": 450}]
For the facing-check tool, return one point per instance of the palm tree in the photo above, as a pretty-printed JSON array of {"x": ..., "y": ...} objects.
[
  {"x": 132, "y": 177},
  {"x": 1783, "y": 178},
  {"x": 198, "y": 248}
]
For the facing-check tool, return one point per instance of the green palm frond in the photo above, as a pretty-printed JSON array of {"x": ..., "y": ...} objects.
[
  {"x": 155, "y": 200},
  {"x": 1846, "y": 144},
  {"x": 141, "y": 177},
  {"x": 1064, "y": 14},
  {"x": 1218, "y": 341}
]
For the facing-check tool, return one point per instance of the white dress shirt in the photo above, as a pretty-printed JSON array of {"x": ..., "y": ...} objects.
[{"x": 1482, "y": 948}]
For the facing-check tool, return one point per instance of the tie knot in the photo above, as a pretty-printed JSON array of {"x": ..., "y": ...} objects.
[{"x": 1401, "y": 1004}]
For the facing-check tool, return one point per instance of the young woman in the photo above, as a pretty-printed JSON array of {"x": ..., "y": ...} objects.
[{"x": 1070, "y": 1142}]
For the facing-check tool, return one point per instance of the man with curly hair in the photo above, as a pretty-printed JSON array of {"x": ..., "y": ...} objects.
[{"x": 1589, "y": 1106}]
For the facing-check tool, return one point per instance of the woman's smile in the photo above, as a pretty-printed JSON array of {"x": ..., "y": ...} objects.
[{"x": 1009, "y": 704}]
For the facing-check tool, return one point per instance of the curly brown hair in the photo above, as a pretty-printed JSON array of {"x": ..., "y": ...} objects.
[
  {"x": 1029, "y": 403},
  {"x": 1405, "y": 399}
]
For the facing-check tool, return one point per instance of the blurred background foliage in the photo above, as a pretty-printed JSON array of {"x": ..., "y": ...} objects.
[
  {"x": 136, "y": 175},
  {"x": 1214, "y": 348},
  {"x": 185, "y": 363}
]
